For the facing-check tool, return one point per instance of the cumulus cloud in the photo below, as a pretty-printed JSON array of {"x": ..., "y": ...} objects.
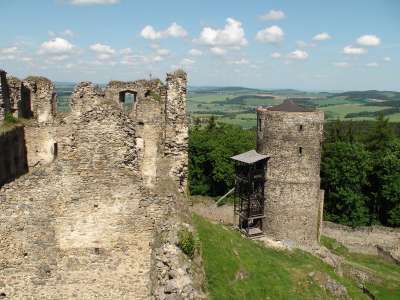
[
  {"x": 241, "y": 61},
  {"x": 354, "y": 50},
  {"x": 187, "y": 61},
  {"x": 92, "y": 2},
  {"x": 125, "y": 51},
  {"x": 218, "y": 50},
  {"x": 163, "y": 52},
  {"x": 298, "y": 55},
  {"x": 10, "y": 50},
  {"x": 372, "y": 65},
  {"x": 195, "y": 52},
  {"x": 56, "y": 46},
  {"x": 323, "y": 36},
  {"x": 232, "y": 35},
  {"x": 276, "y": 55},
  {"x": 273, "y": 15},
  {"x": 103, "y": 52},
  {"x": 369, "y": 40},
  {"x": 341, "y": 64},
  {"x": 273, "y": 34},
  {"x": 174, "y": 31},
  {"x": 100, "y": 48},
  {"x": 387, "y": 58}
]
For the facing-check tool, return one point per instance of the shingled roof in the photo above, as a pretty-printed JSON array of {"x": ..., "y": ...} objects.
[
  {"x": 249, "y": 157},
  {"x": 289, "y": 106}
]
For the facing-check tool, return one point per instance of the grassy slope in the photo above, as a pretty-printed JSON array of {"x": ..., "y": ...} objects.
[
  {"x": 239, "y": 268},
  {"x": 386, "y": 285}
]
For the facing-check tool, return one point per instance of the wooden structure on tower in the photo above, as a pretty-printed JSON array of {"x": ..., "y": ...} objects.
[{"x": 250, "y": 169}]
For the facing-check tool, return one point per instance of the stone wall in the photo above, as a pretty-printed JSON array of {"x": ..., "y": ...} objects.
[
  {"x": 4, "y": 96},
  {"x": 98, "y": 215},
  {"x": 176, "y": 132},
  {"x": 40, "y": 92},
  {"x": 292, "y": 190},
  {"x": 374, "y": 240},
  {"x": 13, "y": 158}
]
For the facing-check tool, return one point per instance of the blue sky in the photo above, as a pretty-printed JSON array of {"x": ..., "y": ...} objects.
[{"x": 312, "y": 45}]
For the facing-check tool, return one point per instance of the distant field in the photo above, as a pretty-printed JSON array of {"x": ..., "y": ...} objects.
[
  {"x": 341, "y": 110},
  {"x": 237, "y": 105}
]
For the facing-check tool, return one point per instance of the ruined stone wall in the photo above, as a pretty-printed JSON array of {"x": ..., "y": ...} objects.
[
  {"x": 292, "y": 190},
  {"x": 41, "y": 144},
  {"x": 40, "y": 90},
  {"x": 4, "y": 96},
  {"x": 13, "y": 158},
  {"x": 15, "y": 86},
  {"x": 148, "y": 113},
  {"x": 367, "y": 239},
  {"x": 176, "y": 131},
  {"x": 85, "y": 226}
]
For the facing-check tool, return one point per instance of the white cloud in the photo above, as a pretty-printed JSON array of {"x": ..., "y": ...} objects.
[
  {"x": 354, "y": 50},
  {"x": 150, "y": 33},
  {"x": 273, "y": 15},
  {"x": 26, "y": 59},
  {"x": 68, "y": 33},
  {"x": 341, "y": 64},
  {"x": 163, "y": 52},
  {"x": 103, "y": 52},
  {"x": 195, "y": 52},
  {"x": 187, "y": 61},
  {"x": 56, "y": 46},
  {"x": 218, "y": 50},
  {"x": 174, "y": 30},
  {"x": 7, "y": 57},
  {"x": 125, "y": 51},
  {"x": 298, "y": 55},
  {"x": 59, "y": 57},
  {"x": 323, "y": 36},
  {"x": 100, "y": 48},
  {"x": 372, "y": 65},
  {"x": 92, "y": 2},
  {"x": 368, "y": 40},
  {"x": 276, "y": 55},
  {"x": 273, "y": 34},
  {"x": 387, "y": 58},
  {"x": 241, "y": 61},
  {"x": 232, "y": 35},
  {"x": 10, "y": 50}
]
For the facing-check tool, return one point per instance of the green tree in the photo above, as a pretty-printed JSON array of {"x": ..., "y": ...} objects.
[
  {"x": 381, "y": 134},
  {"x": 344, "y": 172},
  {"x": 387, "y": 183},
  {"x": 211, "y": 171}
]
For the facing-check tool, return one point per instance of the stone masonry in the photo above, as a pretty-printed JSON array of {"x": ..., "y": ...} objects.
[
  {"x": 292, "y": 137},
  {"x": 4, "y": 96},
  {"x": 97, "y": 216}
]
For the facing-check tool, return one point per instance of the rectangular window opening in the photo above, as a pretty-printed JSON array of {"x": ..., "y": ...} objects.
[{"x": 300, "y": 150}]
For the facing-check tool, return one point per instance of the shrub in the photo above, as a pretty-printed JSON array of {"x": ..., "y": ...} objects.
[
  {"x": 10, "y": 119},
  {"x": 186, "y": 241}
]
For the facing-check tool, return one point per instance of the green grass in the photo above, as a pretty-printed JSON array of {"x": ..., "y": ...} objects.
[
  {"x": 386, "y": 283},
  {"x": 340, "y": 111},
  {"x": 239, "y": 268}
]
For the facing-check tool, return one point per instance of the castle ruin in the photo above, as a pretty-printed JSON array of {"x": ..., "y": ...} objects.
[
  {"x": 292, "y": 137},
  {"x": 97, "y": 214},
  {"x": 278, "y": 187}
]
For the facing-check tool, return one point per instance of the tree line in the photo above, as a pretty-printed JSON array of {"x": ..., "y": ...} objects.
[{"x": 360, "y": 167}]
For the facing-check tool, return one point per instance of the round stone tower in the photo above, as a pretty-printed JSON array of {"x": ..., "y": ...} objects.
[{"x": 291, "y": 135}]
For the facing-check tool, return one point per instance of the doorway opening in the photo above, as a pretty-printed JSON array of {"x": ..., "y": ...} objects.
[{"x": 127, "y": 99}]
